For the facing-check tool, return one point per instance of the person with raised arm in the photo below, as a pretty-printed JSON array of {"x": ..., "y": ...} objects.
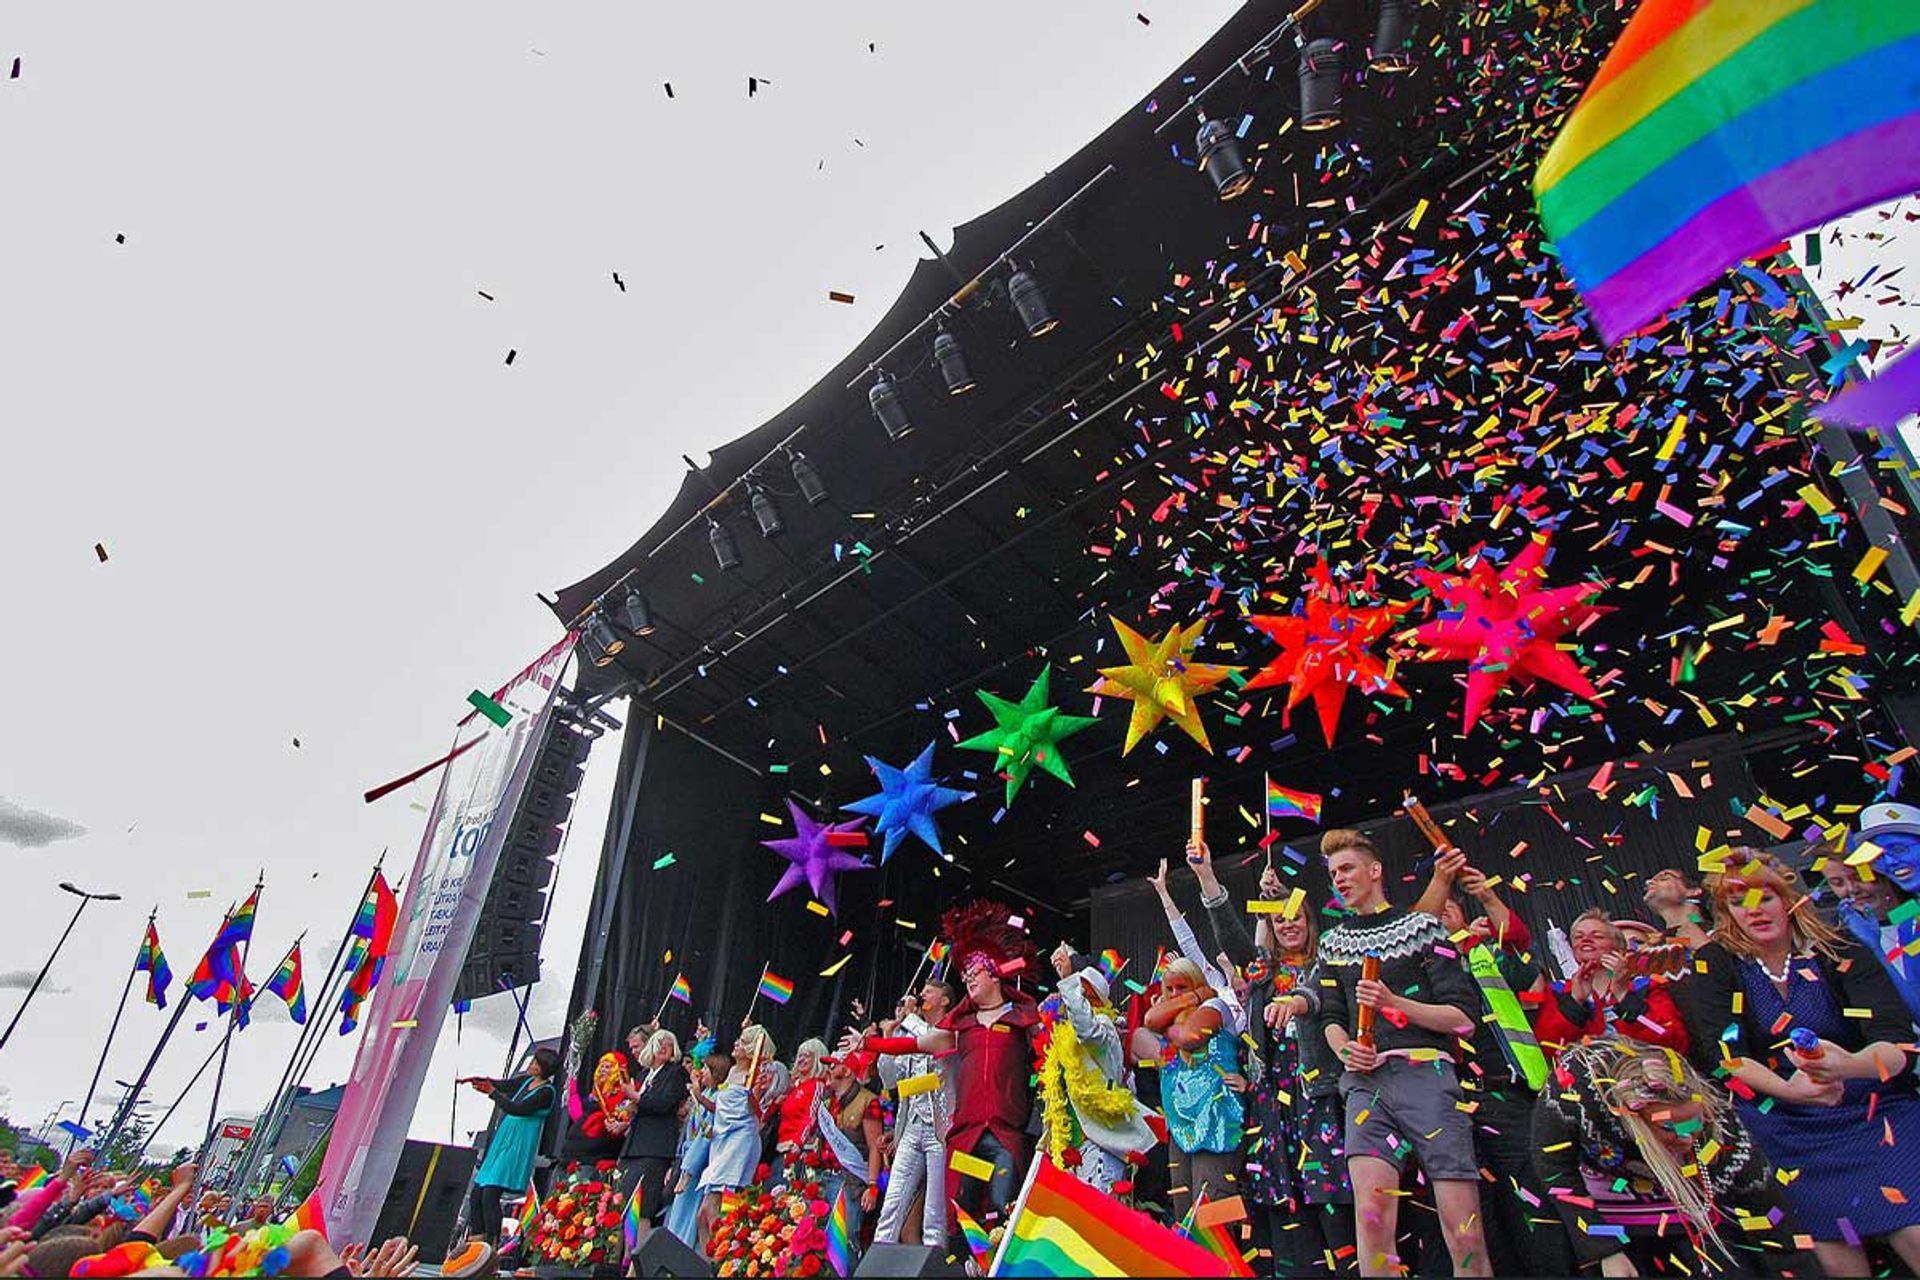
[
  {"x": 920, "y": 1119},
  {"x": 1395, "y": 1033},
  {"x": 1095, "y": 1127}
]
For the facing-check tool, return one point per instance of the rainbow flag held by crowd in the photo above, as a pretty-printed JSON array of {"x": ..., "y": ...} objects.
[
  {"x": 38, "y": 1178},
  {"x": 286, "y": 983},
  {"x": 979, "y": 1244},
  {"x": 152, "y": 961},
  {"x": 1205, "y": 1229},
  {"x": 1066, "y": 1228},
  {"x": 839, "y": 1239},
  {"x": 682, "y": 989},
  {"x": 1715, "y": 129},
  {"x": 631, "y": 1222},
  {"x": 308, "y": 1216},
  {"x": 1282, "y": 803},
  {"x": 774, "y": 987}
]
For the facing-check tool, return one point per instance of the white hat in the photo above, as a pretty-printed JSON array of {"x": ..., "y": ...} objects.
[
  {"x": 1887, "y": 816},
  {"x": 1096, "y": 982}
]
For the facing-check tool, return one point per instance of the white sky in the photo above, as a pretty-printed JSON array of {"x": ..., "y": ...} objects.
[{"x": 283, "y": 408}]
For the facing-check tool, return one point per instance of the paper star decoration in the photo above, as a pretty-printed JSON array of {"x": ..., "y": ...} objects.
[
  {"x": 1027, "y": 733},
  {"x": 906, "y": 802},
  {"x": 812, "y": 858},
  {"x": 1326, "y": 651},
  {"x": 1161, "y": 681},
  {"x": 1507, "y": 624}
]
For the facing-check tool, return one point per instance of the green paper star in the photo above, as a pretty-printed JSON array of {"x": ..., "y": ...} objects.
[{"x": 1027, "y": 733}]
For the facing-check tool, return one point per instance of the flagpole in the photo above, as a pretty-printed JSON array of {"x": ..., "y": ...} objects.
[
  {"x": 1019, "y": 1205},
  {"x": 233, "y": 1018},
  {"x": 316, "y": 1021},
  {"x": 112, "y": 1029},
  {"x": 755, "y": 997}
]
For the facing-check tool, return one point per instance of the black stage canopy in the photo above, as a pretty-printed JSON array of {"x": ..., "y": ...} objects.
[{"x": 1371, "y": 363}]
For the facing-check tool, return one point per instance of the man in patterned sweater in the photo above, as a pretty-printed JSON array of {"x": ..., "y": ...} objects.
[{"x": 1401, "y": 1092}]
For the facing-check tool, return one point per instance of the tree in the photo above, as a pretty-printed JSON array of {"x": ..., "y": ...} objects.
[{"x": 309, "y": 1171}]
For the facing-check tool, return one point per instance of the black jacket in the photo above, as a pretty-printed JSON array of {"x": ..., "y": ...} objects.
[
  {"x": 655, "y": 1131},
  {"x": 1857, "y": 980},
  {"x": 1319, "y": 1069}
]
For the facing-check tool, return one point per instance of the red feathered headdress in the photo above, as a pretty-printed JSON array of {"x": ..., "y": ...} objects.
[{"x": 983, "y": 928}]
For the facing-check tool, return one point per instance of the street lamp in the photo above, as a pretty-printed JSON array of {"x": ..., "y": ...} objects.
[{"x": 85, "y": 898}]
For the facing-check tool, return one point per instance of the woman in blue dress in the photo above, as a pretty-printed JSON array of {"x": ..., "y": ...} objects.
[
  {"x": 1812, "y": 1030},
  {"x": 739, "y": 1106},
  {"x": 524, "y": 1101},
  {"x": 683, "y": 1216}
]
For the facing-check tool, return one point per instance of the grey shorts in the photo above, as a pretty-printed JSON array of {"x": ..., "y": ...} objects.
[{"x": 1402, "y": 1109}]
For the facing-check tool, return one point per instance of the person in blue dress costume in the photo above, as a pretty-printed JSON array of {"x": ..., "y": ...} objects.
[
  {"x": 1200, "y": 1085},
  {"x": 1841, "y": 1115},
  {"x": 739, "y": 1105}
]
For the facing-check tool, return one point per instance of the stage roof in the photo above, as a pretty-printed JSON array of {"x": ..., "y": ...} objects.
[{"x": 1371, "y": 362}]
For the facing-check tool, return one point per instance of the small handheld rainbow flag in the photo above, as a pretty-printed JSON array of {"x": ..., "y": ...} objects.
[
  {"x": 529, "y": 1214},
  {"x": 774, "y": 987},
  {"x": 682, "y": 990},
  {"x": 839, "y": 1239},
  {"x": 1282, "y": 803},
  {"x": 309, "y": 1216},
  {"x": 632, "y": 1221},
  {"x": 979, "y": 1244},
  {"x": 38, "y": 1178},
  {"x": 1206, "y": 1229}
]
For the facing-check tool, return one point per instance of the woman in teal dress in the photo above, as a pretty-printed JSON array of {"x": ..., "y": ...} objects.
[
  {"x": 1200, "y": 1086},
  {"x": 525, "y": 1102}
]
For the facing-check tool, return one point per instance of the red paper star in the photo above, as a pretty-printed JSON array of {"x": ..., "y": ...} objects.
[
  {"x": 1507, "y": 623},
  {"x": 1326, "y": 652}
]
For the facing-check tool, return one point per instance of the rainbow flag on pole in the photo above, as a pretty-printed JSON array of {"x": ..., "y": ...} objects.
[
  {"x": 287, "y": 984},
  {"x": 979, "y": 1244},
  {"x": 1063, "y": 1227},
  {"x": 1282, "y": 803},
  {"x": 152, "y": 961},
  {"x": 632, "y": 1222},
  {"x": 774, "y": 987},
  {"x": 309, "y": 1216},
  {"x": 682, "y": 990},
  {"x": 1714, "y": 129},
  {"x": 839, "y": 1239}
]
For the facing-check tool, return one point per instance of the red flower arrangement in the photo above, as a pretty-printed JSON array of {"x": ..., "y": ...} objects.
[
  {"x": 777, "y": 1232},
  {"x": 579, "y": 1222}
]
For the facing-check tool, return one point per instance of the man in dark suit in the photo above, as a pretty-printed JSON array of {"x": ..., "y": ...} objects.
[{"x": 658, "y": 1087}]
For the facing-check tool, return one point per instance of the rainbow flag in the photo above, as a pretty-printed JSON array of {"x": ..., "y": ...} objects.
[
  {"x": 152, "y": 961},
  {"x": 632, "y": 1223},
  {"x": 38, "y": 1178},
  {"x": 238, "y": 929},
  {"x": 978, "y": 1242},
  {"x": 839, "y": 1239},
  {"x": 1282, "y": 803},
  {"x": 286, "y": 983},
  {"x": 1066, "y": 1228},
  {"x": 373, "y": 934},
  {"x": 529, "y": 1215},
  {"x": 774, "y": 987},
  {"x": 1714, "y": 129},
  {"x": 682, "y": 989},
  {"x": 308, "y": 1216},
  {"x": 1216, "y": 1237}
]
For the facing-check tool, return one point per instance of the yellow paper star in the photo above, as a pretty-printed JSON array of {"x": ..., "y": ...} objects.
[{"x": 1161, "y": 681}]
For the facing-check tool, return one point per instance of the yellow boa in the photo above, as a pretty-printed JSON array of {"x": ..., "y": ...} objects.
[{"x": 1068, "y": 1080}]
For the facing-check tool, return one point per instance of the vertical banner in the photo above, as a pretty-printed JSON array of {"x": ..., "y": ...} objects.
[{"x": 479, "y": 791}]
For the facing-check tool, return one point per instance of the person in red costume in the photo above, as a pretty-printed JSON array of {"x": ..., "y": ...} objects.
[
  {"x": 990, "y": 1033},
  {"x": 1604, "y": 995}
]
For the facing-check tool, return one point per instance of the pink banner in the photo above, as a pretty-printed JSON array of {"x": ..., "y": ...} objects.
[{"x": 444, "y": 893}]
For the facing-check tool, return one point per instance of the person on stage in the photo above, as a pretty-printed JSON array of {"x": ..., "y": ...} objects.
[
  {"x": 739, "y": 1106},
  {"x": 1395, "y": 1036},
  {"x": 1188, "y": 1030},
  {"x": 1604, "y": 996},
  {"x": 653, "y": 1095},
  {"x": 524, "y": 1102},
  {"x": 1880, "y": 914},
  {"x": 990, "y": 1035},
  {"x": 920, "y": 1121},
  {"x": 1816, "y": 1044},
  {"x": 793, "y": 1109},
  {"x": 1095, "y": 1127}
]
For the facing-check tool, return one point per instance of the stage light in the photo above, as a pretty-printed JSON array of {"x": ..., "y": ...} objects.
[
  {"x": 1220, "y": 159},
  {"x": 812, "y": 487},
  {"x": 1392, "y": 39},
  {"x": 765, "y": 514},
  {"x": 952, "y": 361},
  {"x": 603, "y": 642},
  {"x": 636, "y": 614},
  {"x": 1030, "y": 303},
  {"x": 887, "y": 407},
  {"x": 724, "y": 550},
  {"x": 1320, "y": 85}
]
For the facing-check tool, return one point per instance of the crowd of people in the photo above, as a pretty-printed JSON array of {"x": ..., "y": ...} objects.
[{"x": 1431, "y": 1087}]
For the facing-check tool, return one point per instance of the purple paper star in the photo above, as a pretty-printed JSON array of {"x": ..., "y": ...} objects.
[{"x": 811, "y": 860}]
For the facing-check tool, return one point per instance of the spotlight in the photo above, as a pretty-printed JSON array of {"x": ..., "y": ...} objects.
[
  {"x": 603, "y": 642},
  {"x": 1030, "y": 303},
  {"x": 638, "y": 617},
  {"x": 952, "y": 361},
  {"x": 1220, "y": 159},
  {"x": 812, "y": 487},
  {"x": 765, "y": 514},
  {"x": 887, "y": 407},
  {"x": 1320, "y": 85},
  {"x": 1392, "y": 39},
  {"x": 724, "y": 551}
]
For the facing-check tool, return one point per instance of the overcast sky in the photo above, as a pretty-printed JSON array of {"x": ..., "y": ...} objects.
[{"x": 283, "y": 407}]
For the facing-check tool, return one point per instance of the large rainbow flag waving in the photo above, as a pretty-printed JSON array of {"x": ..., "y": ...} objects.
[
  {"x": 1063, "y": 1227},
  {"x": 1716, "y": 128}
]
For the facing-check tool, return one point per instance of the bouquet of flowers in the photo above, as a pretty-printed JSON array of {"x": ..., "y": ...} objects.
[
  {"x": 579, "y": 1222},
  {"x": 778, "y": 1231}
]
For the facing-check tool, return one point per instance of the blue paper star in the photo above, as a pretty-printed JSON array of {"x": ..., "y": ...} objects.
[
  {"x": 811, "y": 859},
  {"x": 906, "y": 802}
]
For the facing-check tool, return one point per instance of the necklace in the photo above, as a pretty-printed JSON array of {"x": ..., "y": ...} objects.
[{"x": 1786, "y": 969}]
